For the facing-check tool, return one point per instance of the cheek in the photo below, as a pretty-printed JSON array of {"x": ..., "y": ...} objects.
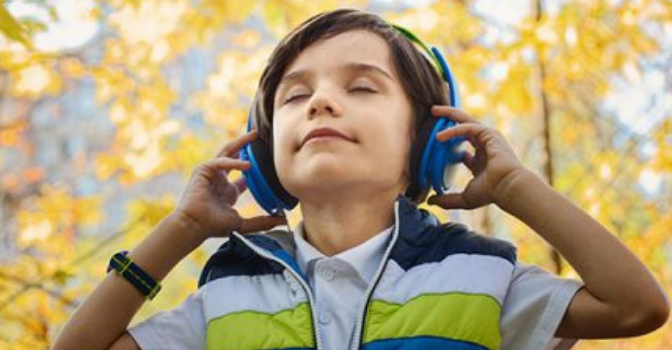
[
  {"x": 397, "y": 141},
  {"x": 396, "y": 128},
  {"x": 283, "y": 144},
  {"x": 390, "y": 146}
]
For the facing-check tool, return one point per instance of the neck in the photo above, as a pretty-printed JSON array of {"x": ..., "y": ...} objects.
[{"x": 346, "y": 220}]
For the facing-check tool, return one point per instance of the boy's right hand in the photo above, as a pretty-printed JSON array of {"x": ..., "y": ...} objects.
[{"x": 206, "y": 204}]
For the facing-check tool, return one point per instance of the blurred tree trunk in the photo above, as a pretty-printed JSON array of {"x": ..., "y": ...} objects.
[{"x": 546, "y": 128}]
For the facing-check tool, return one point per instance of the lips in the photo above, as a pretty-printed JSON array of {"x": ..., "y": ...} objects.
[{"x": 324, "y": 131}]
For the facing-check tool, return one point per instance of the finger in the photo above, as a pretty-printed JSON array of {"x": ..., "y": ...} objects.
[
  {"x": 231, "y": 192},
  {"x": 448, "y": 201},
  {"x": 261, "y": 223},
  {"x": 219, "y": 168},
  {"x": 221, "y": 178},
  {"x": 456, "y": 114},
  {"x": 241, "y": 185},
  {"x": 230, "y": 195},
  {"x": 231, "y": 149},
  {"x": 468, "y": 160},
  {"x": 471, "y": 131},
  {"x": 234, "y": 155}
]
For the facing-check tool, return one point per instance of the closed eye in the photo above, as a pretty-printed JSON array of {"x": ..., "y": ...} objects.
[
  {"x": 296, "y": 98},
  {"x": 362, "y": 89}
]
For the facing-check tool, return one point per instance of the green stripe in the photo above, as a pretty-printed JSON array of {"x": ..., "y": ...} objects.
[
  {"x": 466, "y": 317},
  {"x": 247, "y": 330}
]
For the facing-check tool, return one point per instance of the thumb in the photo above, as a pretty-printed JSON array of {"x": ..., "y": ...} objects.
[
  {"x": 261, "y": 223},
  {"x": 448, "y": 201}
]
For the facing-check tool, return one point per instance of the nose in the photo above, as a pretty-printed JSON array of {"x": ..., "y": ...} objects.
[{"x": 323, "y": 103}]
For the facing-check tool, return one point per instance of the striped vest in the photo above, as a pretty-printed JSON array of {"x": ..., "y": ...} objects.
[{"x": 439, "y": 286}]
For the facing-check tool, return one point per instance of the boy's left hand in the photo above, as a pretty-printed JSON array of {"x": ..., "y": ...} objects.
[{"x": 494, "y": 165}]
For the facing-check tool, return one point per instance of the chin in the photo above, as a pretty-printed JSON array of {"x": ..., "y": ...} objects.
[
  {"x": 307, "y": 183},
  {"x": 331, "y": 175},
  {"x": 327, "y": 164}
]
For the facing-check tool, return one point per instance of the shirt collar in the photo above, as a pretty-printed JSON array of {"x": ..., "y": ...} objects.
[{"x": 364, "y": 258}]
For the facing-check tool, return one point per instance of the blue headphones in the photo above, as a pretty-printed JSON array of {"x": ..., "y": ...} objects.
[{"x": 432, "y": 162}]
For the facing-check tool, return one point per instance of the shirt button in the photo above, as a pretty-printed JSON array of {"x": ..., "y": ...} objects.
[
  {"x": 325, "y": 317},
  {"x": 294, "y": 286},
  {"x": 328, "y": 274}
]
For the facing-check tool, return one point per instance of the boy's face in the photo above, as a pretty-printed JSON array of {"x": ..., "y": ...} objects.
[{"x": 346, "y": 83}]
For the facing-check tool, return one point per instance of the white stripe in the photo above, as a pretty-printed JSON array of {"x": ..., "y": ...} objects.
[
  {"x": 264, "y": 293},
  {"x": 466, "y": 273}
]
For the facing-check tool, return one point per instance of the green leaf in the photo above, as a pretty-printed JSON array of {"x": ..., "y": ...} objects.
[{"x": 12, "y": 28}]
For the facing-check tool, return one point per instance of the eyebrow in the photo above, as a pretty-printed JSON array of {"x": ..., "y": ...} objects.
[{"x": 353, "y": 66}]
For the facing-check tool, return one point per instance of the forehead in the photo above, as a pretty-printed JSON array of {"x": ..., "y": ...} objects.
[{"x": 351, "y": 46}]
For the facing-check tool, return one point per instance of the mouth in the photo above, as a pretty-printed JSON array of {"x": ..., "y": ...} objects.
[{"x": 324, "y": 135}]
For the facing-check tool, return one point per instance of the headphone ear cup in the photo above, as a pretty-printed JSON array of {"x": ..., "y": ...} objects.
[
  {"x": 271, "y": 190},
  {"x": 418, "y": 188}
]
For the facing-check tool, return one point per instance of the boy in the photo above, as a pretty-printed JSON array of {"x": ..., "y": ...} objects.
[{"x": 340, "y": 103}]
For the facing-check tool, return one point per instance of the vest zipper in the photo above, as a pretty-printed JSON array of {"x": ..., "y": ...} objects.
[
  {"x": 316, "y": 330},
  {"x": 357, "y": 338}
]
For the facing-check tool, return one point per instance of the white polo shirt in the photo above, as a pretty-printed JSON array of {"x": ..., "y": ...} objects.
[
  {"x": 339, "y": 283},
  {"x": 533, "y": 308}
]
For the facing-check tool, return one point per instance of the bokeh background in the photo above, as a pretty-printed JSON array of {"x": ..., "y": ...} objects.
[{"x": 107, "y": 106}]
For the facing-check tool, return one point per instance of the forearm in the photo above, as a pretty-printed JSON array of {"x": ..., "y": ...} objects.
[
  {"x": 106, "y": 313},
  {"x": 611, "y": 273}
]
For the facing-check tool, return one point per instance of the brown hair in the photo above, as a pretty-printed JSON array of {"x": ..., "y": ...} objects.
[{"x": 421, "y": 81}]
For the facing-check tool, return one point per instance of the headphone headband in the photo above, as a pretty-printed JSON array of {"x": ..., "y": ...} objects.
[
  {"x": 439, "y": 61},
  {"x": 412, "y": 37}
]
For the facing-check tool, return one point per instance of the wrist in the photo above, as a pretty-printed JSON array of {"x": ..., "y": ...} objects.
[
  {"x": 513, "y": 186},
  {"x": 168, "y": 243},
  {"x": 187, "y": 228}
]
